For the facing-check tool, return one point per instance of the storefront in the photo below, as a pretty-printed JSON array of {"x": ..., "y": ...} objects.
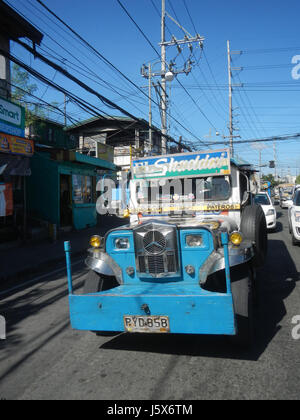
[
  {"x": 15, "y": 155},
  {"x": 63, "y": 192}
]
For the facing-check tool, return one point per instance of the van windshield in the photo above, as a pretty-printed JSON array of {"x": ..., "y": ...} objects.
[{"x": 188, "y": 190}]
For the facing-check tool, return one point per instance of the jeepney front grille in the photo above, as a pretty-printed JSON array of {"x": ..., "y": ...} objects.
[{"x": 156, "y": 250}]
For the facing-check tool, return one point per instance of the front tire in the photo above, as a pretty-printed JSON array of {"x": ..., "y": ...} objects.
[
  {"x": 242, "y": 286},
  {"x": 254, "y": 228},
  {"x": 96, "y": 283}
]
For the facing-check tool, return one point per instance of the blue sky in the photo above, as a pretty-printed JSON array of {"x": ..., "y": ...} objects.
[{"x": 266, "y": 97}]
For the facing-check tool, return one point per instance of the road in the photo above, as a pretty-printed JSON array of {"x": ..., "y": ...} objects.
[{"x": 43, "y": 358}]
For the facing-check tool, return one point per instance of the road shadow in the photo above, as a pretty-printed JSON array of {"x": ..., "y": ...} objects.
[
  {"x": 276, "y": 282},
  {"x": 30, "y": 300},
  {"x": 277, "y": 229}
]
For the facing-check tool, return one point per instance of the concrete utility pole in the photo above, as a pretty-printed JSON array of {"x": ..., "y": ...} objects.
[
  {"x": 167, "y": 71},
  {"x": 150, "y": 110},
  {"x": 164, "y": 84},
  {"x": 275, "y": 160},
  {"x": 230, "y": 100}
]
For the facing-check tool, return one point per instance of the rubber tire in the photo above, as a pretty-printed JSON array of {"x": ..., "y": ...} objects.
[
  {"x": 96, "y": 283},
  {"x": 243, "y": 300},
  {"x": 254, "y": 228}
]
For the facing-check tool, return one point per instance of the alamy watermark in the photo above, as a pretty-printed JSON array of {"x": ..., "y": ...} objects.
[
  {"x": 2, "y": 328},
  {"x": 296, "y": 68},
  {"x": 173, "y": 194},
  {"x": 296, "y": 329}
]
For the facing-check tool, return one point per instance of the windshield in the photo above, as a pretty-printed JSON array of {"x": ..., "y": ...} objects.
[
  {"x": 187, "y": 190},
  {"x": 262, "y": 199}
]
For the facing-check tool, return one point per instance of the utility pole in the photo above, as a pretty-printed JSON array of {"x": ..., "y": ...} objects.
[
  {"x": 230, "y": 100},
  {"x": 65, "y": 109},
  {"x": 167, "y": 71},
  {"x": 275, "y": 160},
  {"x": 150, "y": 110},
  {"x": 163, "y": 72}
]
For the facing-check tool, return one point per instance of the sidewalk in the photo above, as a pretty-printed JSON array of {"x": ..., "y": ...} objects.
[{"x": 16, "y": 263}]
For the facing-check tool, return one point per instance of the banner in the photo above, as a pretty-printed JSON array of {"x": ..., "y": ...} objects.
[
  {"x": 184, "y": 165},
  {"x": 16, "y": 145},
  {"x": 6, "y": 200}
]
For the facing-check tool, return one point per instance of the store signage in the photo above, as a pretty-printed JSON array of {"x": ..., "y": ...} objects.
[
  {"x": 187, "y": 165},
  {"x": 12, "y": 118},
  {"x": 16, "y": 145},
  {"x": 6, "y": 200}
]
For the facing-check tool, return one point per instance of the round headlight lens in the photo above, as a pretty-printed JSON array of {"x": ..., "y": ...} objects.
[
  {"x": 122, "y": 243},
  {"x": 236, "y": 238},
  {"x": 96, "y": 241},
  {"x": 194, "y": 241}
]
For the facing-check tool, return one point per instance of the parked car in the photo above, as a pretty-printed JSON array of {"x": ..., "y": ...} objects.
[
  {"x": 294, "y": 218},
  {"x": 286, "y": 194},
  {"x": 264, "y": 200}
]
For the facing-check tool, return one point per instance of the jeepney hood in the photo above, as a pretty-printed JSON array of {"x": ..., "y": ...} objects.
[{"x": 213, "y": 222}]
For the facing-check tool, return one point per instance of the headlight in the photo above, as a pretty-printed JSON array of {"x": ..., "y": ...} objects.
[
  {"x": 122, "y": 243},
  {"x": 297, "y": 216},
  {"x": 236, "y": 238},
  {"x": 194, "y": 241},
  {"x": 96, "y": 241},
  {"x": 270, "y": 212}
]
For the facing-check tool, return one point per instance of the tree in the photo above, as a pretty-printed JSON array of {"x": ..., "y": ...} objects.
[
  {"x": 298, "y": 179},
  {"x": 22, "y": 89},
  {"x": 271, "y": 179}
]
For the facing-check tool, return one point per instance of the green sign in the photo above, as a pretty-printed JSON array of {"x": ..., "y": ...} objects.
[{"x": 12, "y": 118}]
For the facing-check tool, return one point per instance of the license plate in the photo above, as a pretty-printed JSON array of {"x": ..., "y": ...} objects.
[{"x": 146, "y": 324}]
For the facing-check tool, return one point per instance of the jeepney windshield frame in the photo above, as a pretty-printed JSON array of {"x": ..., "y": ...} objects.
[{"x": 187, "y": 197}]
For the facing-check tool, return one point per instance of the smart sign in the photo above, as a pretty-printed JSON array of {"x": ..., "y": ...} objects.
[{"x": 12, "y": 118}]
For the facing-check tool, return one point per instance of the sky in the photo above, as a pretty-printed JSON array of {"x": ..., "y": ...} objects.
[{"x": 264, "y": 38}]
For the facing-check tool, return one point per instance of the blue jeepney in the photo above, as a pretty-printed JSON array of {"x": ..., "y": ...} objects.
[{"x": 186, "y": 261}]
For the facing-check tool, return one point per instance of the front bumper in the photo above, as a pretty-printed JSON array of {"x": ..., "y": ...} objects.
[
  {"x": 191, "y": 310},
  {"x": 271, "y": 221}
]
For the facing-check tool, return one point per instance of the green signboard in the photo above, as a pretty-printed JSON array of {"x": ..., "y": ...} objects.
[
  {"x": 12, "y": 118},
  {"x": 184, "y": 165}
]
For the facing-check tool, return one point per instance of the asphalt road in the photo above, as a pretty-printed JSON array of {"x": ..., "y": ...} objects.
[{"x": 43, "y": 358}]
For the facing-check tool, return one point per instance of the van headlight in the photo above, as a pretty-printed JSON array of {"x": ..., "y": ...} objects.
[
  {"x": 194, "y": 241},
  {"x": 270, "y": 212},
  {"x": 122, "y": 243}
]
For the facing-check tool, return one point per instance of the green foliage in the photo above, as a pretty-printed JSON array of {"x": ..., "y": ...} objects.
[
  {"x": 271, "y": 179},
  {"x": 22, "y": 90},
  {"x": 298, "y": 179}
]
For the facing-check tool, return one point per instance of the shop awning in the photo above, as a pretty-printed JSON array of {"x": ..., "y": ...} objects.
[
  {"x": 99, "y": 163},
  {"x": 15, "y": 165}
]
